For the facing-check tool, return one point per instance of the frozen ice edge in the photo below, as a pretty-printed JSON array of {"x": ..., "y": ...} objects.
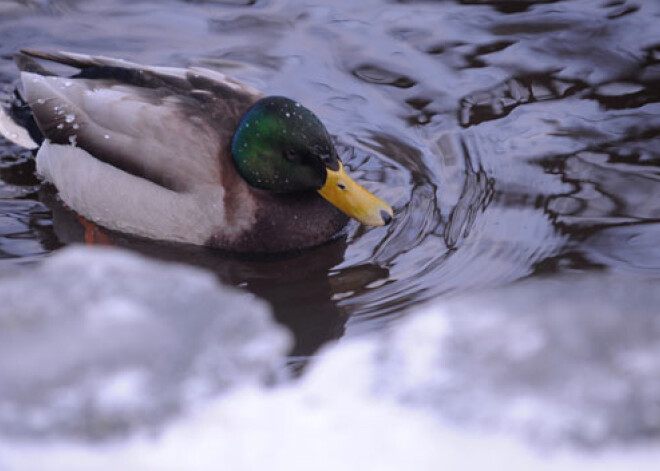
[
  {"x": 307, "y": 427},
  {"x": 98, "y": 343},
  {"x": 365, "y": 403}
]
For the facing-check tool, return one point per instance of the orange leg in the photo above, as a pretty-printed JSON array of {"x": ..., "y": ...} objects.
[{"x": 94, "y": 235}]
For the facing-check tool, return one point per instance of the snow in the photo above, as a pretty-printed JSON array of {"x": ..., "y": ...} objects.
[
  {"x": 550, "y": 374},
  {"x": 573, "y": 362},
  {"x": 100, "y": 342}
]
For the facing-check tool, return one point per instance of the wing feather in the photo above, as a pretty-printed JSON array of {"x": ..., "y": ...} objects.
[{"x": 168, "y": 125}]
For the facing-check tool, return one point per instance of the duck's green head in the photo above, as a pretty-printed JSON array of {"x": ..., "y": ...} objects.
[{"x": 283, "y": 147}]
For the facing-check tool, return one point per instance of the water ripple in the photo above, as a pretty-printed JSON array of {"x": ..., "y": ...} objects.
[{"x": 513, "y": 138}]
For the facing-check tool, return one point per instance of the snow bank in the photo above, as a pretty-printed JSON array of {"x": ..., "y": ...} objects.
[
  {"x": 558, "y": 375},
  {"x": 574, "y": 361},
  {"x": 95, "y": 343}
]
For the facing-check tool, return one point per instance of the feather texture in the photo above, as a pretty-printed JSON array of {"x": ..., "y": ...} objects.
[{"x": 146, "y": 150}]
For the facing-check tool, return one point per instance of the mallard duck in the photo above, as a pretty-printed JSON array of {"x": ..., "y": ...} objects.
[{"x": 188, "y": 155}]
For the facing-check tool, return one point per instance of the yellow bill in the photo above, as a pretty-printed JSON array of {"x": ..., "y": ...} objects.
[{"x": 343, "y": 192}]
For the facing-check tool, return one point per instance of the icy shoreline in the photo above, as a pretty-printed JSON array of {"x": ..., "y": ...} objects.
[{"x": 547, "y": 374}]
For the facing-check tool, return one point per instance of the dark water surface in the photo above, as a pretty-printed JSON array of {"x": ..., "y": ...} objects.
[{"x": 513, "y": 139}]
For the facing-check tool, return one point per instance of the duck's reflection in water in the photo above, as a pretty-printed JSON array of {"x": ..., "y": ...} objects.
[{"x": 295, "y": 285}]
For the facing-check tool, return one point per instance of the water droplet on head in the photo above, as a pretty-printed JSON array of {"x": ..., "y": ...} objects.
[
  {"x": 70, "y": 118},
  {"x": 287, "y": 114},
  {"x": 60, "y": 126},
  {"x": 73, "y": 140},
  {"x": 76, "y": 126},
  {"x": 41, "y": 101},
  {"x": 106, "y": 136}
]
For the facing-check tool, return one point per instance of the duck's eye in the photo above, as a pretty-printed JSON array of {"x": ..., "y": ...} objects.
[
  {"x": 330, "y": 161},
  {"x": 292, "y": 155},
  {"x": 341, "y": 186}
]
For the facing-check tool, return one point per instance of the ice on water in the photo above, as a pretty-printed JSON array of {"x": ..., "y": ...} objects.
[
  {"x": 575, "y": 361},
  {"x": 549, "y": 374},
  {"x": 95, "y": 343}
]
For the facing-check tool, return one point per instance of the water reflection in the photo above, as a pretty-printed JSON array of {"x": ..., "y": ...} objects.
[
  {"x": 501, "y": 100},
  {"x": 295, "y": 285}
]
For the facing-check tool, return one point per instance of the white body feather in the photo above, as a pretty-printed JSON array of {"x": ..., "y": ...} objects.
[
  {"x": 123, "y": 202},
  {"x": 14, "y": 132}
]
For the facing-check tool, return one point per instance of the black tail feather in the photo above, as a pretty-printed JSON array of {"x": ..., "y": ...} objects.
[{"x": 19, "y": 111}]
